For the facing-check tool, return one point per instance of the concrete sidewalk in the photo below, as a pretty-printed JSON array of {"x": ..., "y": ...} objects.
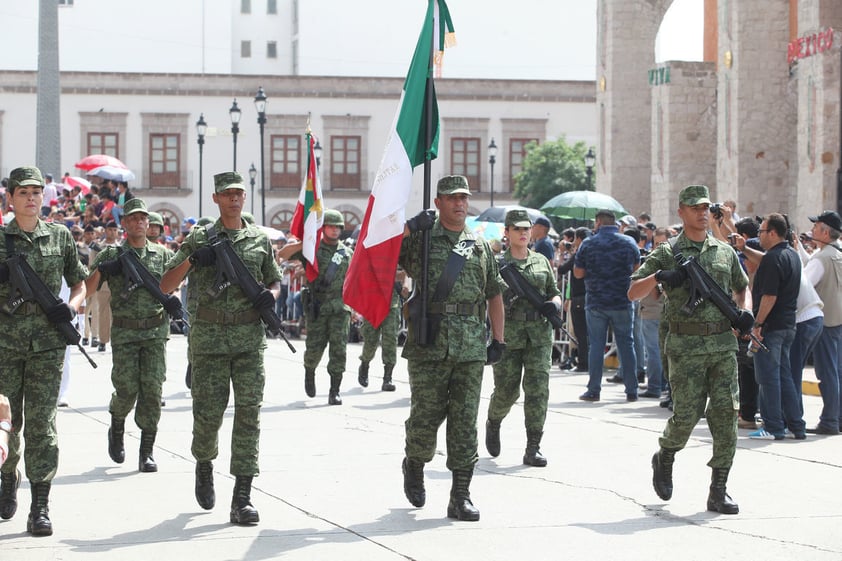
[{"x": 331, "y": 485}]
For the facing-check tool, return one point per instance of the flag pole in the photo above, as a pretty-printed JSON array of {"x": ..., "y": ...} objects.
[{"x": 423, "y": 331}]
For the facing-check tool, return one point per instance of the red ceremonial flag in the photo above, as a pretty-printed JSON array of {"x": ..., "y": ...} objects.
[
  {"x": 370, "y": 279},
  {"x": 309, "y": 213}
]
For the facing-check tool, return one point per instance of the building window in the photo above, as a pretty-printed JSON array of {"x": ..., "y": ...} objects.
[
  {"x": 464, "y": 153},
  {"x": 285, "y": 150},
  {"x": 65, "y": 2},
  {"x": 281, "y": 220},
  {"x": 103, "y": 143},
  {"x": 272, "y": 7},
  {"x": 272, "y": 49},
  {"x": 164, "y": 164},
  {"x": 517, "y": 153},
  {"x": 245, "y": 6},
  {"x": 345, "y": 162},
  {"x": 352, "y": 220},
  {"x": 245, "y": 49}
]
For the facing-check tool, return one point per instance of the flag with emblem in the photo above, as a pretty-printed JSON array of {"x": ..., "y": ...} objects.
[
  {"x": 308, "y": 217},
  {"x": 412, "y": 140}
]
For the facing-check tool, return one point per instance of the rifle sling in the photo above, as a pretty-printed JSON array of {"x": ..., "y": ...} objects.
[
  {"x": 332, "y": 269},
  {"x": 455, "y": 262}
]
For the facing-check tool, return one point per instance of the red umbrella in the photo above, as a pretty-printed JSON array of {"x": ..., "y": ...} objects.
[
  {"x": 80, "y": 182},
  {"x": 96, "y": 160}
]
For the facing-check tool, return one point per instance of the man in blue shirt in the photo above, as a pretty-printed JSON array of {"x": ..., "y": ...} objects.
[
  {"x": 606, "y": 260},
  {"x": 540, "y": 233}
]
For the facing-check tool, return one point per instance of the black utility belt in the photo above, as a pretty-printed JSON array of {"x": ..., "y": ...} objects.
[
  {"x": 529, "y": 315},
  {"x": 228, "y": 318},
  {"x": 699, "y": 328},
  {"x": 142, "y": 323},
  {"x": 455, "y": 308}
]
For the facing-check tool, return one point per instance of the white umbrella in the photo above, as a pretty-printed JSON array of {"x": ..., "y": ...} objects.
[{"x": 113, "y": 173}]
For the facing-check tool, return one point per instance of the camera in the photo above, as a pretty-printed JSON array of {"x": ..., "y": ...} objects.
[
  {"x": 716, "y": 210},
  {"x": 732, "y": 239},
  {"x": 568, "y": 246}
]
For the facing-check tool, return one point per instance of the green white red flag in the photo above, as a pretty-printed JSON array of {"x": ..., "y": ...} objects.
[
  {"x": 371, "y": 275},
  {"x": 308, "y": 218}
]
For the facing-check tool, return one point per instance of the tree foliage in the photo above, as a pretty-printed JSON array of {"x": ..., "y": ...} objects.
[{"x": 550, "y": 169}]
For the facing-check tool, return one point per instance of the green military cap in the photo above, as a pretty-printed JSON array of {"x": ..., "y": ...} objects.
[
  {"x": 228, "y": 180},
  {"x": 694, "y": 195},
  {"x": 25, "y": 175},
  {"x": 453, "y": 185},
  {"x": 155, "y": 219},
  {"x": 519, "y": 218},
  {"x": 204, "y": 221},
  {"x": 248, "y": 218},
  {"x": 333, "y": 218},
  {"x": 134, "y": 205}
]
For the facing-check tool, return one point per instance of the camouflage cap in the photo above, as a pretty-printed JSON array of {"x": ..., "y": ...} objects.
[
  {"x": 453, "y": 185},
  {"x": 518, "y": 218},
  {"x": 248, "y": 218},
  {"x": 694, "y": 195},
  {"x": 25, "y": 175},
  {"x": 333, "y": 218},
  {"x": 155, "y": 219},
  {"x": 133, "y": 206},
  {"x": 228, "y": 180}
]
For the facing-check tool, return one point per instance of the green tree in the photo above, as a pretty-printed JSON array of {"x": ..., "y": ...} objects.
[{"x": 549, "y": 169}]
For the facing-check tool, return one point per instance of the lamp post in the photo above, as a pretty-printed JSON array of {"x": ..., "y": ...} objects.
[
  {"x": 252, "y": 176},
  {"x": 260, "y": 105},
  {"x": 590, "y": 160},
  {"x": 234, "y": 113},
  {"x": 201, "y": 129},
  {"x": 317, "y": 149},
  {"x": 492, "y": 159}
]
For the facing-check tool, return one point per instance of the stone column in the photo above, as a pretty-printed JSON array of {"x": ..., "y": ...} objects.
[{"x": 48, "y": 135}]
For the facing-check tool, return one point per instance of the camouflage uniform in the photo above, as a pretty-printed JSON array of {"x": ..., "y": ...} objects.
[
  {"x": 445, "y": 377},
  {"x": 386, "y": 335},
  {"x": 529, "y": 343},
  {"x": 32, "y": 350},
  {"x": 228, "y": 350},
  {"x": 140, "y": 329},
  {"x": 333, "y": 321}
]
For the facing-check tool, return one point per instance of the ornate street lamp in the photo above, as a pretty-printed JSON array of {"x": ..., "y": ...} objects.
[
  {"x": 234, "y": 113},
  {"x": 260, "y": 105},
  {"x": 492, "y": 159},
  {"x": 590, "y": 160},
  {"x": 317, "y": 149},
  {"x": 252, "y": 176},
  {"x": 201, "y": 129}
]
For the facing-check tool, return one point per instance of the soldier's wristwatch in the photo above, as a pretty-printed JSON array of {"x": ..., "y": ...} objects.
[{"x": 6, "y": 426}]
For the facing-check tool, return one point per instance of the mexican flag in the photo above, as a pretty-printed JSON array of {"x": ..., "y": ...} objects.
[
  {"x": 371, "y": 276},
  {"x": 308, "y": 217}
]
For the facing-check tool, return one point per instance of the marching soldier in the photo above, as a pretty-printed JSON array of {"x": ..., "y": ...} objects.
[{"x": 387, "y": 335}]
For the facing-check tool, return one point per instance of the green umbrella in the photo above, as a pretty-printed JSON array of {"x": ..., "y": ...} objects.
[{"x": 582, "y": 205}]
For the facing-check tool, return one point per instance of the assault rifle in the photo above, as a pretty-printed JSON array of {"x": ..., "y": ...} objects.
[
  {"x": 137, "y": 275},
  {"x": 26, "y": 286},
  {"x": 704, "y": 287},
  {"x": 230, "y": 270},
  {"x": 523, "y": 289}
]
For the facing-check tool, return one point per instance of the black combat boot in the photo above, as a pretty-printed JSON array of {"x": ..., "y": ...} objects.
[
  {"x": 387, "y": 386},
  {"x": 460, "y": 506},
  {"x": 492, "y": 437},
  {"x": 413, "y": 482},
  {"x": 242, "y": 511},
  {"x": 116, "y": 449},
  {"x": 333, "y": 397},
  {"x": 146, "y": 463},
  {"x": 188, "y": 376},
  {"x": 532, "y": 456},
  {"x": 205, "y": 494},
  {"x": 9, "y": 483},
  {"x": 718, "y": 499},
  {"x": 310, "y": 382},
  {"x": 38, "y": 523},
  {"x": 362, "y": 374},
  {"x": 662, "y": 473}
]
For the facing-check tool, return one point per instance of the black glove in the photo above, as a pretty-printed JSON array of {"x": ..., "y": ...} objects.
[
  {"x": 422, "y": 221},
  {"x": 494, "y": 352},
  {"x": 4, "y": 272},
  {"x": 673, "y": 278},
  {"x": 173, "y": 306},
  {"x": 550, "y": 308},
  {"x": 60, "y": 313},
  {"x": 203, "y": 257},
  {"x": 265, "y": 300},
  {"x": 111, "y": 267},
  {"x": 744, "y": 322}
]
